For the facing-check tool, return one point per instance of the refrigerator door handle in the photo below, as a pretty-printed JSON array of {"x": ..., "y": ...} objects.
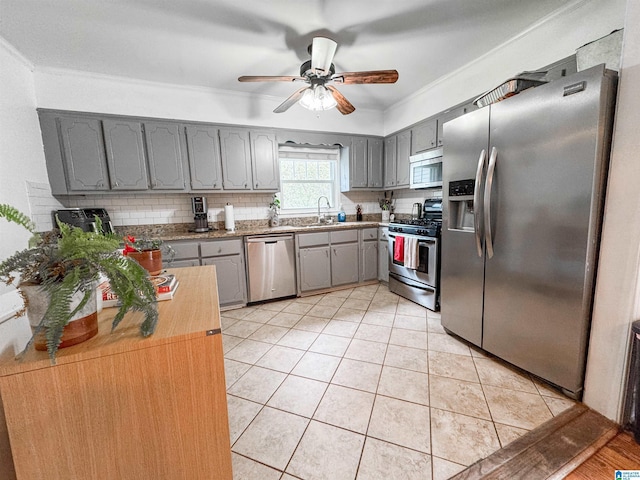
[
  {"x": 477, "y": 198},
  {"x": 488, "y": 237}
]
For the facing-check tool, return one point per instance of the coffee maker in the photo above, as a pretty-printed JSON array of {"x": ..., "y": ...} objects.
[{"x": 199, "y": 208}]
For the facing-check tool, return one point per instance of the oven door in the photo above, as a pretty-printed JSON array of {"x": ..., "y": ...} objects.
[{"x": 427, "y": 271}]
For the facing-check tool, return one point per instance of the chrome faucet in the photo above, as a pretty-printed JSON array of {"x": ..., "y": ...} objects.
[{"x": 321, "y": 217}]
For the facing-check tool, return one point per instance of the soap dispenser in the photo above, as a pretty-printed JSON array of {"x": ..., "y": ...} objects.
[{"x": 342, "y": 217}]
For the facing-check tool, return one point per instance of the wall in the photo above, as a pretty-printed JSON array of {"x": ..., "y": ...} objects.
[
  {"x": 551, "y": 39},
  {"x": 68, "y": 90},
  {"x": 22, "y": 162},
  {"x": 617, "y": 299}
]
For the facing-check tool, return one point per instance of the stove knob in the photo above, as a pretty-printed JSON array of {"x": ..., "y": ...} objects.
[{"x": 400, "y": 229}]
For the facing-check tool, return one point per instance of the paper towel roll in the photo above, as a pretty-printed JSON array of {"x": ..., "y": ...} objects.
[{"x": 229, "y": 222}]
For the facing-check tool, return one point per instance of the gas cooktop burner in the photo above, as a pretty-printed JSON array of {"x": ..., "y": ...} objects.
[
  {"x": 419, "y": 222},
  {"x": 424, "y": 227}
]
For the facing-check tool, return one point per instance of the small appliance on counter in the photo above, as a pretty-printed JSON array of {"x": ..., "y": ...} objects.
[
  {"x": 199, "y": 208},
  {"x": 229, "y": 221},
  {"x": 84, "y": 218}
]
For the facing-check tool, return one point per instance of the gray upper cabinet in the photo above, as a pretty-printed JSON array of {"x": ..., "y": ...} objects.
[
  {"x": 390, "y": 160},
  {"x": 235, "y": 153},
  {"x": 125, "y": 155},
  {"x": 450, "y": 115},
  {"x": 203, "y": 148},
  {"x": 403, "y": 151},
  {"x": 359, "y": 163},
  {"x": 264, "y": 160},
  {"x": 164, "y": 155},
  {"x": 375, "y": 148},
  {"x": 363, "y": 168},
  {"x": 423, "y": 136},
  {"x": 83, "y": 154}
]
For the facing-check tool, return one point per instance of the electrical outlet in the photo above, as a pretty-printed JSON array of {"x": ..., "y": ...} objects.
[{"x": 211, "y": 215}]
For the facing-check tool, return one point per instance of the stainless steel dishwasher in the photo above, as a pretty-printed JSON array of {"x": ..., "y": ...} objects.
[{"x": 271, "y": 267}]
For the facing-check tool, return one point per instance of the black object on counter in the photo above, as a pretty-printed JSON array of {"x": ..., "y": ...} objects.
[{"x": 358, "y": 213}]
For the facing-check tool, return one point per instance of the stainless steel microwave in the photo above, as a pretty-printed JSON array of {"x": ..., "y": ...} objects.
[{"x": 425, "y": 169}]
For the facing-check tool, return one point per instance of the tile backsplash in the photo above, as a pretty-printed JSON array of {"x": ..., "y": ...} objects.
[{"x": 145, "y": 209}]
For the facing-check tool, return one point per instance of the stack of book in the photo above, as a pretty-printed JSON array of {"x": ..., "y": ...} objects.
[{"x": 166, "y": 286}]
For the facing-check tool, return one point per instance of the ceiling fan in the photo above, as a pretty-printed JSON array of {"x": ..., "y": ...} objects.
[{"x": 319, "y": 73}]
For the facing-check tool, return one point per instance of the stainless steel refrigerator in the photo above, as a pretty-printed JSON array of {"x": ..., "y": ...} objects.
[{"x": 523, "y": 192}]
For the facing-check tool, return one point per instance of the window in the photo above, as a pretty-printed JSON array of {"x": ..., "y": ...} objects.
[{"x": 306, "y": 173}]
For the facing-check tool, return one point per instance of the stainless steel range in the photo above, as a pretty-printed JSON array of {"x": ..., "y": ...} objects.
[{"x": 414, "y": 256}]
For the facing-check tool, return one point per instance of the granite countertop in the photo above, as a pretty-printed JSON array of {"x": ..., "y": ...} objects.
[{"x": 261, "y": 230}]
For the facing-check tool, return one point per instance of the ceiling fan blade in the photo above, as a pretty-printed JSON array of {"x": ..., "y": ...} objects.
[
  {"x": 284, "y": 106},
  {"x": 374, "y": 76},
  {"x": 344, "y": 106},
  {"x": 270, "y": 79},
  {"x": 322, "y": 51}
]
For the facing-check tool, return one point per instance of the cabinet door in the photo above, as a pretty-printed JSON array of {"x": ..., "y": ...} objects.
[
  {"x": 165, "y": 156},
  {"x": 264, "y": 161},
  {"x": 235, "y": 153},
  {"x": 374, "y": 149},
  {"x": 402, "y": 160},
  {"x": 125, "y": 155},
  {"x": 369, "y": 259},
  {"x": 446, "y": 116},
  {"x": 315, "y": 268},
  {"x": 203, "y": 149},
  {"x": 358, "y": 163},
  {"x": 232, "y": 281},
  {"x": 383, "y": 260},
  {"x": 83, "y": 154},
  {"x": 423, "y": 136},
  {"x": 344, "y": 264},
  {"x": 390, "y": 145}
]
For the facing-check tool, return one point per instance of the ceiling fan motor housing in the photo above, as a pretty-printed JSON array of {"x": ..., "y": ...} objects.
[{"x": 307, "y": 71}]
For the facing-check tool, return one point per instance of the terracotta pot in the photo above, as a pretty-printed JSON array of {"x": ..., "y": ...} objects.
[
  {"x": 82, "y": 326},
  {"x": 150, "y": 260}
]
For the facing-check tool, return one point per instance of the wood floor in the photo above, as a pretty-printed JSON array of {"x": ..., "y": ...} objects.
[
  {"x": 621, "y": 453},
  {"x": 579, "y": 444}
]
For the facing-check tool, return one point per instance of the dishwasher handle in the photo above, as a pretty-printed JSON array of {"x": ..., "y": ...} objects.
[{"x": 268, "y": 238}]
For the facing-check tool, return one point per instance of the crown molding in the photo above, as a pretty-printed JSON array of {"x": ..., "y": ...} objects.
[{"x": 15, "y": 53}]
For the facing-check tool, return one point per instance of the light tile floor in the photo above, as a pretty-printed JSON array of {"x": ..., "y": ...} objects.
[{"x": 363, "y": 384}]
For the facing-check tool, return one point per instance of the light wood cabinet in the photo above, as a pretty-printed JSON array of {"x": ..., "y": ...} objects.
[{"x": 124, "y": 407}]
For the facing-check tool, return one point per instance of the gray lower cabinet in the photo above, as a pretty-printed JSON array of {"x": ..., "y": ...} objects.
[
  {"x": 264, "y": 160},
  {"x": 228, "y": 257},
  {"x": 344, "y": 264},
  {"x": 315, "y": 268},
  {"x": 344, "y": 257},
  {"x": 83, "y": 153},
  {"x": 164, "y": 156},
  {"x": 368, "y": 254},
  {"x": 203, "y": 147},
  {"x": 125, "y": 154},
  {"x": 235, "y": 153},
  {"x": 383, "y": 254}
]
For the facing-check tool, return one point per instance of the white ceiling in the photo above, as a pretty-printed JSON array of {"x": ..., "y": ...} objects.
[{"x": 210, "y": 43}]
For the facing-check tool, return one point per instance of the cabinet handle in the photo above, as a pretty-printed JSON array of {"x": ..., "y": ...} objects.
[
  {"x": 335, "y": 252},
  {"x": 326, "y": 253},
  {"x": 116, "y": 184},
  {"x": 215, "y": 185},
  {"x": 219, "y": 249},
  {"x": 256, "y": 185},
  {"x": 245, "y": 185}
]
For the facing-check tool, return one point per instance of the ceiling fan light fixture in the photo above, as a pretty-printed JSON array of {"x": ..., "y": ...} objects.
[{"x": 318, "y": 98}]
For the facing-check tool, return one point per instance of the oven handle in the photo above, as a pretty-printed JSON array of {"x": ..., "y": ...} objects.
[
  {"x": 422, "y": 239},
  {"x": 412, "y": 284},
  {"x": 488, "y": 237},
  {"x": 477, "y": 199}
]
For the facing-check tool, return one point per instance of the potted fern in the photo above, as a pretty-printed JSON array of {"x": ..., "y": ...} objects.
[{"x": 58, "y": 275}]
